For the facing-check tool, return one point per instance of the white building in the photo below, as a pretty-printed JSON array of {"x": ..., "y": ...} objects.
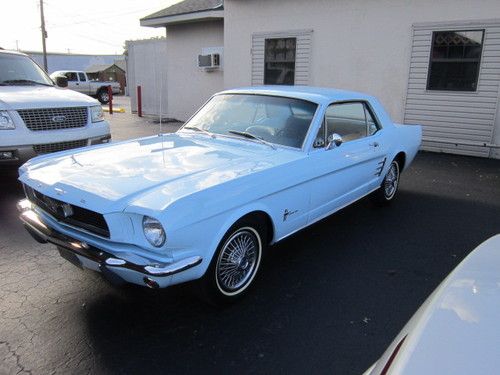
[{"x": 435, "y": 63}]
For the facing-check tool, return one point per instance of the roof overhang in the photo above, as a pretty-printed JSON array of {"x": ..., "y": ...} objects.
[{"x": 209, "y": 15}]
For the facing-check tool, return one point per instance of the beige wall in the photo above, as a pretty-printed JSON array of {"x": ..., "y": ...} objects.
[
  {"x": 359, "y": 45},
  {"x": 188, "y": 86}
]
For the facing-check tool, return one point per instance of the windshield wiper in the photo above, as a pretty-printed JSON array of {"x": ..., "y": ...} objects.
[
  {"x": 22, "y": 81},
  {"x": 251, "y": 136},
  {"x": 195, "y": 128}
]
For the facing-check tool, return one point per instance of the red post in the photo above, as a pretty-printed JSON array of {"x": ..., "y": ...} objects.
[
  {"x": 110, "y": 94},
  {"x": 139, "y": 101}
]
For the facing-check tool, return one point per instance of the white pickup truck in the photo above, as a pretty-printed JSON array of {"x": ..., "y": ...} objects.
[
  {"x": 79, "y": 81},
  {"x": 38, "y": 117}
]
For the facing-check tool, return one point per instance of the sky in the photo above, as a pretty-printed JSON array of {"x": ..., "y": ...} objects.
[{"x": 88, "y": 26}]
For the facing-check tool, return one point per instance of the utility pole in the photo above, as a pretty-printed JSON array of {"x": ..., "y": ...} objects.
[{"x": 44, "y": 36}]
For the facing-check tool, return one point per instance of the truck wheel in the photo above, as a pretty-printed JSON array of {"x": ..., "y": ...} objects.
[{"x": 103, "y": 96}]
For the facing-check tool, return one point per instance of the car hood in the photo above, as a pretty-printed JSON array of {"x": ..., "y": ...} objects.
[
  {"x": 109, "y": 178},
  {"x": 30, "y": 97},
  {"x": 456, "y": 331}
]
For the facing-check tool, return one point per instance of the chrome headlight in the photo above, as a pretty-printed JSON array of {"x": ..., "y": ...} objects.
[
  {"x": 96, "y": 113},
  {"x": 6, "y": 122},
  {"x": 153, "y": 231}
]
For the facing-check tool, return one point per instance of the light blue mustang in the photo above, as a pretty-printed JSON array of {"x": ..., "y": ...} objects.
[{"x": 250, "y": 168}]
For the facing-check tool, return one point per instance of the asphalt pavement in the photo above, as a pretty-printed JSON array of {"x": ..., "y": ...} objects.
[{"x": 329, "y": 299}]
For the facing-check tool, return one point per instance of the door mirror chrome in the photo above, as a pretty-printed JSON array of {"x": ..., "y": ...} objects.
[{"x": 334, "y": 140}]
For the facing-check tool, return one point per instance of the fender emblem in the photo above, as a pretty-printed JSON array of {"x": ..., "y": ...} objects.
[{"x": 288, "y": 213}]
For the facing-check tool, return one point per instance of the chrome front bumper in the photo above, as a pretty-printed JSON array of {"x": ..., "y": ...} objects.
[{"x": 68, "y": 246}]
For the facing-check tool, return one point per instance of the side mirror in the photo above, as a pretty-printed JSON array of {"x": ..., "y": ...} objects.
[
  {"x": 62, "y": 81},
  {"x": 333, "y": 140}
]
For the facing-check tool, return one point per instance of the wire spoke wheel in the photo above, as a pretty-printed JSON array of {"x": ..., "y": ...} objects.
[
  {"x": 391, "y": 181},
  {"x": 238, "y": 261}
]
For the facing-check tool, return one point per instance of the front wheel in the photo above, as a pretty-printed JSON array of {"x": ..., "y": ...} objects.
[
  {"x": 389, "y": 187},
  {"x": 103, "y": 96},
  {"x": 235, "y": 263}
]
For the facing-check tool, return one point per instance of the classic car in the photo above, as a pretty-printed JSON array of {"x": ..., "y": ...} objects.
[
  {"x": 251, "y": 167},
  {"x": 455, "y": 331}
]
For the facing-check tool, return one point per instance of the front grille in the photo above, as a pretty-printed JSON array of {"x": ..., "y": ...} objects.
[
  {"x": 54, "y": 118},
  {"x": 60, "y": 146},
  {"x": 81, "y": 217}
]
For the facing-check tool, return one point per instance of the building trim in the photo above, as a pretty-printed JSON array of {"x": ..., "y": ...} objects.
[
  {"x": 455, "y": 24},
  {"x": 205, "y": 15},
  {"x": 302, "y": 57}
]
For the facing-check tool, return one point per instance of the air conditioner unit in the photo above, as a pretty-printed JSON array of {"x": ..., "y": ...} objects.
[{"x": 209, "y": 62}]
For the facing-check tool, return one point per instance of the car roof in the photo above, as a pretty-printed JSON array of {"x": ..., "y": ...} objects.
[{"x": 320, "y": 95}]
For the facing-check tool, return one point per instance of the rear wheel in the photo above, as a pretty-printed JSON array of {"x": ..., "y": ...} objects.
[
  {"x": 389, "y": 187},
  {"x": 103, "y": 96},
  {"x": 235, "y": 263}
]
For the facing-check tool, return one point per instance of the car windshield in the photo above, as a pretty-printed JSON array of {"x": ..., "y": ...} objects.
[
  {"x": 278, "y": 120},
  {"x": 21, "y": 70}
]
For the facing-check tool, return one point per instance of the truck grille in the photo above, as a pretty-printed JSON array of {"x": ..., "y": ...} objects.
[
  {"x": 60, "y": 146},
  {"x": 54, "y": 118},
  {"x": 80, "y": 217}
]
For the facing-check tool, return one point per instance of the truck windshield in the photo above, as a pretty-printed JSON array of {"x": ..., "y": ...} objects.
[
  {"x": 21, "y": 70},
  {"x": 274, "y": 119}
]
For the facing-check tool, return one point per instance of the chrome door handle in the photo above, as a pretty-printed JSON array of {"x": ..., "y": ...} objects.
[{"x": 373, "y": 144}]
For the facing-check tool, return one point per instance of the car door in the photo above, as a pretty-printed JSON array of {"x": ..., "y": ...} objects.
[
  {"x": 84, "y": 85},
  {"x": 347, "y": 171}
]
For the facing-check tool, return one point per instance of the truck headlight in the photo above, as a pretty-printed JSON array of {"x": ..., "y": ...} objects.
[
  {"x": 153, "y": 231},
  {"x": 96, "y": 113},
  {"x": 6, "y": 122}
]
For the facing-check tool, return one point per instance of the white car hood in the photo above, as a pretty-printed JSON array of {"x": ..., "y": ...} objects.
[
  {"x": 457, "y": 330},
  {"x": 30, "y": 97},
  {"x": 110, "y": 178}
]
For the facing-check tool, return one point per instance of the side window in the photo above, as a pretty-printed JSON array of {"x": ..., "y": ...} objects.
[
  {"x": 373, "y": 126},
  {"x": 82, "y": 77},
  {"x": 320, "y": 140},
  {"x": 347, "y": 120},
  {"x": 71, "y": 76}
]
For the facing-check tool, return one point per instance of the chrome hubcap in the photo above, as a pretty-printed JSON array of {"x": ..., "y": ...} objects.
[
  {"x": 238, "y": 260},
  {"x": 391, "y": 181}
]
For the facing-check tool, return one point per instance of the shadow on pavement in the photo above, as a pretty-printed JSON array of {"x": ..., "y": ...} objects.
[{"x": 330, "y": 297}]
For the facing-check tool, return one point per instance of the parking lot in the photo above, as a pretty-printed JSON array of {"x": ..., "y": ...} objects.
[{"x": 329, "y": 300}]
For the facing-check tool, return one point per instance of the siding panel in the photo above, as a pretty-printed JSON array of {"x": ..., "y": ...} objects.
[
  {"x": 461, "y": 117},
  {"x": 302, "y": 57}
]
